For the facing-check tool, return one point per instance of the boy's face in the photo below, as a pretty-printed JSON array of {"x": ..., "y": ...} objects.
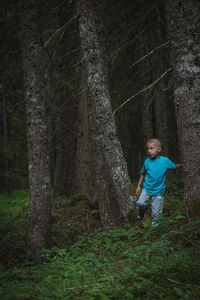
[{"x": 153, "y": 150}]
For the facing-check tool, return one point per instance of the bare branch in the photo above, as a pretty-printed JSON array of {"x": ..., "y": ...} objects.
[
  {"x": 141, "y": 91},
  {"x": 152, "y": 51},
  {"x": 117, "y": 51},
  {"x": 58, "y": 31}
]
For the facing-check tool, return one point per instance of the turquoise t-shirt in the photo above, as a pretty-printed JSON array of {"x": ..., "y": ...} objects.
[{"x": 154, "y": 170}]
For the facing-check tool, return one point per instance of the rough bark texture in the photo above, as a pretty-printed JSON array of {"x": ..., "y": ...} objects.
[
  {"x": 146, "y": 99},
  {"x": 112, "y": 181},
  {"x": 66, "y": 119},
  {"x": 38, "y": 159},
  {"x": 158, "y": 67},
  {"x": 5, "y": 147},
  {"x": 85, "y": 176},
  {"x": 183, "y": 18}
]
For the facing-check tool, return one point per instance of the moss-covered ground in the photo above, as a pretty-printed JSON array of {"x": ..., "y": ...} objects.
[{"x": 87, "y": 262}]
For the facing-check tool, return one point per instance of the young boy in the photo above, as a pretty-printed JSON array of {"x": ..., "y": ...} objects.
[{"x": 153, "y": 174}]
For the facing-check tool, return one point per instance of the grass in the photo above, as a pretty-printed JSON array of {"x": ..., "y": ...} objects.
[{"x": 133, "y": 262}]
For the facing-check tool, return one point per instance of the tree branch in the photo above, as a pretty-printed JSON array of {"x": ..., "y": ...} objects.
[
  {"x": 141, "y": 91},
  {"x": 58, "y": 31},
  {"x": 117, "y": 51},
  {"x": 152, "y": 51}
]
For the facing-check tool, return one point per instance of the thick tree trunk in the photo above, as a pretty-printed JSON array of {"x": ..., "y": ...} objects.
[
  {"x": 5, "y": 146},
  {"x": 5, "y": 176},
  {"x": 143, "y": 71},
  {"x": 183, "y": 18},
  {"x": 157, "y": 66},
  {"x": 39, "y": 233},
  {"x": 66, "y": 121},
  {"x": 146, "y": 99},
  {"x": 85, "y": 175},
  {"x": 112, "y": 181}
]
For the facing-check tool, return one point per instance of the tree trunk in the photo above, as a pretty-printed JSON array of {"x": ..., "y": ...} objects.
[
  {"x": 159, "y": 103},
  {"x": 183, "y": 19},
  {"x": 85, "y": 175},
  {"x": 144, "y": 77},
  {"x": 66, "y": 121},
  {"x": 146, "y": 99},
  {"x": 110, "y": 170},
  {"x": 5, "y": 146},
  {"x": 39, "y": 232}
]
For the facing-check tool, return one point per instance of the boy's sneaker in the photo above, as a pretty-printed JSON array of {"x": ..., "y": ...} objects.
[{"x": 140, "y": 214}]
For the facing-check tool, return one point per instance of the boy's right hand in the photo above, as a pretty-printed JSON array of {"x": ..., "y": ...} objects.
[{"x": 138, "y": 190}]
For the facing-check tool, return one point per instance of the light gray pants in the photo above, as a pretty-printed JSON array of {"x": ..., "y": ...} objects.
[{"x": 156, "y": 204}]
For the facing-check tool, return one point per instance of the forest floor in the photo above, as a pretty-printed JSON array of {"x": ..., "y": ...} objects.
[{"x": 85, "y": 262}]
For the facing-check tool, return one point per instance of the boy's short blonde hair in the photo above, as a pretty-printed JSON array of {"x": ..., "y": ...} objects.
[{"x": 155, "y": 141}]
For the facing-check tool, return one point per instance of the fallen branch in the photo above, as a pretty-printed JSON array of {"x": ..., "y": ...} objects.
[
  {"x": 141, "y": 91},
  {"x": 83, "y": 286},
  {"x": 180, "y": 283}
]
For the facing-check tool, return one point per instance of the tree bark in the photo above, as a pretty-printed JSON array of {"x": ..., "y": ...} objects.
[
  {"x": 39, "y": 232},
  {"x": 183, "y": 18},
  {"x": 85, "y": 175},
  {"x": 159, "y": 103},
  {"x": 146, "y": 99},
  {"x": 5, "y": 146},
  {"x": 66, "y": 121},
  {"x": 110, "y": 170}
]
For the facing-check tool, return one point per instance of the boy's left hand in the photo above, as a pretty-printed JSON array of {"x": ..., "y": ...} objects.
[
  {"x": 178, "y": 165},
  {"x": 138, "y": 190}
]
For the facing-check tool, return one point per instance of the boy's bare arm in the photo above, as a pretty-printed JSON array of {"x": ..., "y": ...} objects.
[{"x": 139, "y": 183}]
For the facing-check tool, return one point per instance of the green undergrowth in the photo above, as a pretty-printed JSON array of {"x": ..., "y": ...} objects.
[
  {"x": 13, "y": 226},
  {"x": 72, "y": 217},
  {"x": 131, "y": 262}
]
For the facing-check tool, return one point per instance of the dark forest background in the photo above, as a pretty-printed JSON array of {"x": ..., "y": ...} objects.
[
  {"x": 137, "y": 53},
  {"x": 84, "y": 85}
]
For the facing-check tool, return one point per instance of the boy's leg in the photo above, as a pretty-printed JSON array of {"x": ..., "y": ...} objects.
[
  {"x": 142, "y": 204},
  {"x": 156, "y": 207}
]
